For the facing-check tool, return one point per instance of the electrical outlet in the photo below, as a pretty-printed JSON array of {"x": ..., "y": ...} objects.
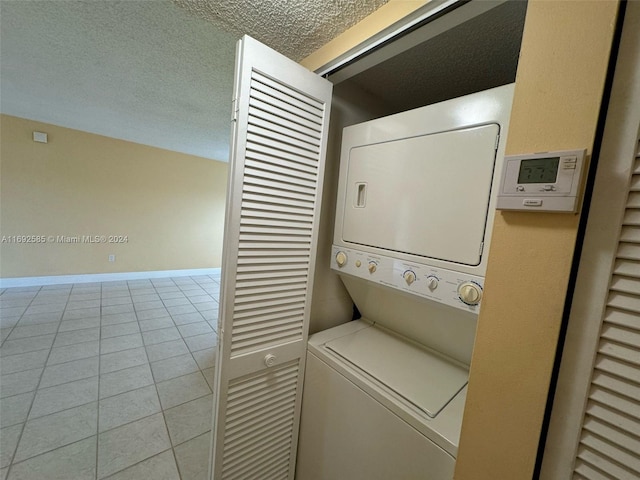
[{"x": 112, "y": 258}]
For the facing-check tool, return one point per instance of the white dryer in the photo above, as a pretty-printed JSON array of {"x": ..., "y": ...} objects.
[{"x": 384, "y": 395}]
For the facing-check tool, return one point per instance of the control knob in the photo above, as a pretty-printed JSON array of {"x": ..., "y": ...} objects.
[
  {"x": 341, "y": 259},
  {"x": 409, "y": 277},
  {"x": 432, "y": 283},
  {"x": 372, "y": 267},
  {"x": 470, "y": 293}
]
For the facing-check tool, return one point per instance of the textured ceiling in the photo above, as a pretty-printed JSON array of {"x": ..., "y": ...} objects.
[
  {"x": 150, "y": 72},
  {"x": 295, "y": 28},
  {"x": 144, "y": 71}
]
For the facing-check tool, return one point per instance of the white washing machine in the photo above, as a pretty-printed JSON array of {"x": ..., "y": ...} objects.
[
  {"x": 384, "y": 395},
  {"x": 355, "y": 425}
]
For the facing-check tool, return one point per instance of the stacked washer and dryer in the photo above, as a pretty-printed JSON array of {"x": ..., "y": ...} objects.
[{"x": 384, "y": 395}]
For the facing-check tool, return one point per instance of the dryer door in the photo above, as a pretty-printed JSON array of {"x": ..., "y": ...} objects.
[{"x": 426, "y": 195}]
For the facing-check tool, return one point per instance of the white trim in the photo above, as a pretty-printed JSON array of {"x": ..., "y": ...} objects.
[
  {"x": 394, "y": 30},
  {"x": 103, "y": 277},
  {"x": 394, "y": 40}
]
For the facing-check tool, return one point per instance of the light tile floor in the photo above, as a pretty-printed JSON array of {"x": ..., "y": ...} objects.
[{"x": 107, "y": 380}]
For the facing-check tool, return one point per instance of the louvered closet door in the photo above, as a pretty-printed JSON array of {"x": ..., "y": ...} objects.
[
  {"x": 609, "y": 445},
  {"x": 273, "y": 209}
]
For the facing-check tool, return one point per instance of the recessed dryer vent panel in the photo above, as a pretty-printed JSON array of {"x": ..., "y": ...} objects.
[{"x": 426, "y": 195}]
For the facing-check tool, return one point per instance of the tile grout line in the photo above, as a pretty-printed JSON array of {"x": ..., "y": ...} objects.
[
  {"x": 99, "y": 376},
  {"x": 213, "y": 329},
  {"x": 173, "y": 447},
  {"x": 137, "y": 463},
  {"x": 99, "y": 381},
  {"x": 35, "y": 394},
  {"x": 164, "y": 417},
  {"x": 111, "y": 429},
  {"x": 110, "y": 396},
  {"x": 35, "y": 391},
  {"x": 20, "y": 317},
  {"x": 208, "y": 466},
  {"x": 91, "y": 356},
  {"x": 194, "y": 283},
  {"x": 64, "y": 409}
]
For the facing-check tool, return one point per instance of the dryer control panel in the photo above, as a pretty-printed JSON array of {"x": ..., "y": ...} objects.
[{"x": 452, "y": 288}]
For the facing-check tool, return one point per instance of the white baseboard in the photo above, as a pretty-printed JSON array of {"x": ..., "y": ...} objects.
[{"x": 103, "y": 277}]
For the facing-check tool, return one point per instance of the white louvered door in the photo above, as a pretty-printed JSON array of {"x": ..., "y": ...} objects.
[
  {"x": 281, "y": 114},
  {"x": 594, "y": 429},
  {"x": 609, "y": 443}
]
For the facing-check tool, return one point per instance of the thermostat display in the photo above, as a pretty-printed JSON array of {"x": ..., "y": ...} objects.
[
  {"x": 539, "y": 170},
  {"x": 542, "y": 182}
]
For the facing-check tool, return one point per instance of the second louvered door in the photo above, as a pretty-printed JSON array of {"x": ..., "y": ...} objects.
[
  {"x": 594, "y": 429},
  {"x": 281, "y": 114},
  {"x": 609, "y": 443}
]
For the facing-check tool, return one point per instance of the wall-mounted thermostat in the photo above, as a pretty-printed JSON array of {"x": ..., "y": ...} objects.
[{"x": 542, "y": 182}]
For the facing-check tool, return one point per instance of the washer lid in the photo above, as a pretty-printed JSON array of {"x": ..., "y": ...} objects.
[{"x": 424, "y": 379}]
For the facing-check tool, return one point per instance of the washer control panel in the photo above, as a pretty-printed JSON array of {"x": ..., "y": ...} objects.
[{"x": 452, "y": 288}]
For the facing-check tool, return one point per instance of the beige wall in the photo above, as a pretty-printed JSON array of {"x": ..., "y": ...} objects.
[
  {"x": 170, "y": 205},
  {"x": 557, "y": 98}
]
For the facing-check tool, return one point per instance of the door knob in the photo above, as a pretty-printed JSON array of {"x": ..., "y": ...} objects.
[{"x": 270, "y": 360}]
